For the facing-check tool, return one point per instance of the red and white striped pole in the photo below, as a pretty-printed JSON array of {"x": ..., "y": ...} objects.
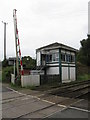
[
  {"x": 17, "y": 41},
  {"x": 22, "y": 72}
]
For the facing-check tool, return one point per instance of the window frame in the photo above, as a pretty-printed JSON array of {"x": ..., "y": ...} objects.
[{"x": 63, "y": 55}]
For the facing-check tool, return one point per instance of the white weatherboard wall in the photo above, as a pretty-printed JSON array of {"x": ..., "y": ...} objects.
[
  {"x": 30, "y": 80},
  {"x": 38, "y": 59},
  {"x": 64, "y": 73},
  {"x": 53, "y": 71},
  {"x": 72, "y": 73}
]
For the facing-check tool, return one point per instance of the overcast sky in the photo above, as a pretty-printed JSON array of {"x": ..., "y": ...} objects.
[{"x": 42, "y": 22}]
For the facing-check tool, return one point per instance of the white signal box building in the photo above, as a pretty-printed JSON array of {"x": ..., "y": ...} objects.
[{"x": 57, "y": 59}]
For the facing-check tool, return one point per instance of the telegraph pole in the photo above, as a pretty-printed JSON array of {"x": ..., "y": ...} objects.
[{"x": 4, "y": 39}]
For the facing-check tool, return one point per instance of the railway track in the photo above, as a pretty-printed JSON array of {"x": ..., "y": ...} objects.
[
  {"x": 69, "y": 85},
  {"x": 72, "y": 91}
]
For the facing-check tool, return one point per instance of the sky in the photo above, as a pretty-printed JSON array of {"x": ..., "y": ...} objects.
[{"x": 43, "y": 22}]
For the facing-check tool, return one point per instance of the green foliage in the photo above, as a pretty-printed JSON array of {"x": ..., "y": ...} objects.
[
  {"x": 84, "y": 77},
  {"x": 15, "y": 86},
  {"x": 4, "y": 63},
  {"x": 28, "y": 62},
  {"x": 84, "y": 52},
  {"x": 6, "y": 74},
  {"x": 30, "y": 87}
]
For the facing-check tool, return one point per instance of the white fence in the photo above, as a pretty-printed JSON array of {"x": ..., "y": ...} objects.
[{"x": 30, "y": 80}]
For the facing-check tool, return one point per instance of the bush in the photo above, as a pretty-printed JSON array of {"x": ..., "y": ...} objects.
[
  {"x": 5, "y": 63},
  {"x": 84, "y": 77},
  {"x": 6, "y": 74}
]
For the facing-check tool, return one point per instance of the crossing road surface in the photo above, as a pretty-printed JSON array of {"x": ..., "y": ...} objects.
[{"x": 19, "y": 105}]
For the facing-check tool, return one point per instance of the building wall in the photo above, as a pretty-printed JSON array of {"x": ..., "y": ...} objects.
[
  {"x": 66, "y": 67},
  {"x": 53, "y": 71},
  {"x": 64, "y": 73},
  {"x": 38, "y": 56},
  {"x": 68, "y": 72},
  {"x": 30, "y": 80},
  {"x": 72, "y": 73},
  {"x": 53, "y": 68}
]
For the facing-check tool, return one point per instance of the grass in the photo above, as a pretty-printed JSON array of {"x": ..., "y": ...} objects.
[
  {"x": 83, "y": 77},
  {"x": 6, "y": 74},
  {"x": 19, "y": 87},
  {"x": 15, "y": 87},
  {"x": 30, "y": 87}
]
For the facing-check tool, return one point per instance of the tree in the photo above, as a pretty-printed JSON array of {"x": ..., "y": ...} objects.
[
  {"x": 84, "y": 52},
  {"x": 5, "y": 63},
  {"x": 28, "y": 62}
]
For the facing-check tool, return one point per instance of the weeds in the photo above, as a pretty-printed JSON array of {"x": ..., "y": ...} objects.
[{"x": 83, "y": 77}]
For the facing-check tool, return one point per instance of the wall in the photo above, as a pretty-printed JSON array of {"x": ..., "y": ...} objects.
[
  {"x": 38, "y": 56},
  {"x": 30, "y": 80},
  {"x": 68, "y": 73},
  {"x": 64, "y": 73},
  {"x": 53, "y": 71},
  {"x": 12, "y": 78},
  {"x": 72, "y": 74},
  {"x": 68, "y": 69},
  {"x": 49, "y": 79}
]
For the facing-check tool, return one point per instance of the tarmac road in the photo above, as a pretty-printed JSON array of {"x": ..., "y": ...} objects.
[{"x": 20, "y": 105}]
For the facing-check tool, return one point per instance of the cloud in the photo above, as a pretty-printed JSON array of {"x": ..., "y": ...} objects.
[{"x": 41, "y": 22}]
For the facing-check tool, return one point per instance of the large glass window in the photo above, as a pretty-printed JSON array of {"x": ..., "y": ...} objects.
[
  {"x": 72, "y": 58},
  {"x": 65, "y": 57},
  {"x": 49, "y": 58},
  {"x": 68, "y": 58},
  {"x": 55, "y": 57},
  {"x": 62, "y": 56}
]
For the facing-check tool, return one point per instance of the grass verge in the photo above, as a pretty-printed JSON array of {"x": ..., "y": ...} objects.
[{"x": 83, "y": 77}]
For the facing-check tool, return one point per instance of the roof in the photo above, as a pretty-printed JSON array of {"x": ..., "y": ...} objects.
[
  {"x": 12, "y": 58},
  {"x": 56, "y": 45}
]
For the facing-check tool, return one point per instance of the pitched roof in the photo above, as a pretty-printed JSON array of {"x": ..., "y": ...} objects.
[{"x": 55, "y": 46}]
